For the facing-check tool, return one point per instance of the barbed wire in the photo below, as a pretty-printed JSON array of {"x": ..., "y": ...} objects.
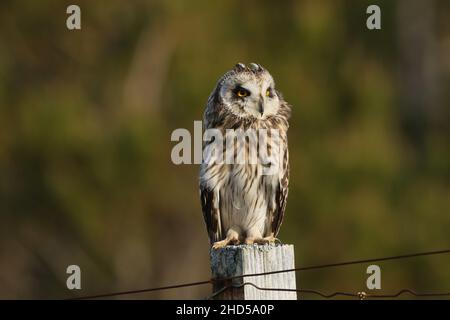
[
  {"x": 313, "y": 267},
  {"x": 360, "y": 295},
  {"x": 339, "y": 264}
]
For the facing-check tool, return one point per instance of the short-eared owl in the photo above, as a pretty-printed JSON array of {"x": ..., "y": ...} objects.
[{"x": 241, "y": 202}]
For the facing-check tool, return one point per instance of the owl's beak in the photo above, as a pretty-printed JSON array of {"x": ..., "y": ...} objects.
[{"x": 261, "y": 106}]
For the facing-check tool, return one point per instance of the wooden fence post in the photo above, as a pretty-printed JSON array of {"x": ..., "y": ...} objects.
[{"x": 249, "y": 259}]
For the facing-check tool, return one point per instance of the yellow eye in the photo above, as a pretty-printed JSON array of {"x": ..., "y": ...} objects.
[
  {"x": 267, "y": 92},
  {"x": 242, "y": 93}
]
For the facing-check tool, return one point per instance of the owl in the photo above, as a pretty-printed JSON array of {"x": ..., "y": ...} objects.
[{"x": 240, "y": 203}]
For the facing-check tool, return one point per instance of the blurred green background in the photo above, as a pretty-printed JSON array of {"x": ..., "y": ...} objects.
[{"x": 86, "y": 116}]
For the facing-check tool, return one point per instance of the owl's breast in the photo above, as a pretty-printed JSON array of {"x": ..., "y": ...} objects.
[{"x": 246, "y": 196}]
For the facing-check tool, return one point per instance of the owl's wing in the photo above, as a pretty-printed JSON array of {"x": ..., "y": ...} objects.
[
  {"x": 280, "y": 200},
  {"x": 211, "y": 213}
]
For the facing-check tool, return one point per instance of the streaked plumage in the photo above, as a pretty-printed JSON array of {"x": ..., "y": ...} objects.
[{"x": 239, "y": 203}]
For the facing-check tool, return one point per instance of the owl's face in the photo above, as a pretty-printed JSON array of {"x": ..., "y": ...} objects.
[{"x": 249, "y": 91}]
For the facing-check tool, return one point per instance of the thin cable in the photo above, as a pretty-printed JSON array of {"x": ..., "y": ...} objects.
[
  {"x": 339, "y": 264},
  {"x": 215, "y": 294},
  {"x": 121, "y": 293},
  {"x": 360, "y": 295},
  {"x": 237, "y": 286},
  {"x": 314, "y": 267},
  {"x": 411, "y": 292}
]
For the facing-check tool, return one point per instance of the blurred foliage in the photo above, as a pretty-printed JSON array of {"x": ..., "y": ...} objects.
[{"x": 86, "y": 117}]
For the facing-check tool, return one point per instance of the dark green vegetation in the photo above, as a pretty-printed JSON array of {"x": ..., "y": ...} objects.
[{"x": 86, "y": 118}]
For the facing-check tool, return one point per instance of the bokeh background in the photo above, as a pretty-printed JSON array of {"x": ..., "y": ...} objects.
[{"x": 86, "y": 116}]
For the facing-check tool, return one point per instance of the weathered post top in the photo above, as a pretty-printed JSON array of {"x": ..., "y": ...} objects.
[{"x": 240, "y": 260}]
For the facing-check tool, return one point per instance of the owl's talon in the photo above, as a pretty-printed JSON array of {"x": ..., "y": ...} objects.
[
  {"x": 267, "y": 240},
  {"x": 231, "y": 239},
  {"x": 262, "y": 241},
  {"x": 220, "y": 244},
  {"x": 234, "y": 242},
  {"x": 272, "y": 239},
  {"x": 276, "y": 240},
  {"x": 249, "y": 241}
]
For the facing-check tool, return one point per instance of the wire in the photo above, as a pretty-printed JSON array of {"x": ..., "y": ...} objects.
[
  {"x": 313, "y": 267},
  {"x": 360, "y": 295},
  {"x": 121, "y": 293},
  {"x": 237, "y": 286},
  {"x": 411, "y": 292},
  {"x": 215, "y": 294},
  {"x": 339, "y": 264}
]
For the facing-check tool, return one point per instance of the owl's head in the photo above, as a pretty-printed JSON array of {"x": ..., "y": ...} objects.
[{"x": 248, "y": 91}]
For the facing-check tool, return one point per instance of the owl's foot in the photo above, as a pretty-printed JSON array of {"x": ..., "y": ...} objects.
[
  {"x": 265, "y": 240},
  {"x": 231, "y": 239},
  {"x": 272, "y": 239},
  {"x": 224, "y": 243}
]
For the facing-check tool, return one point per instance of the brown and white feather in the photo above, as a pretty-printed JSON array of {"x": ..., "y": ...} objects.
[{"x": 239, "y": 197}]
